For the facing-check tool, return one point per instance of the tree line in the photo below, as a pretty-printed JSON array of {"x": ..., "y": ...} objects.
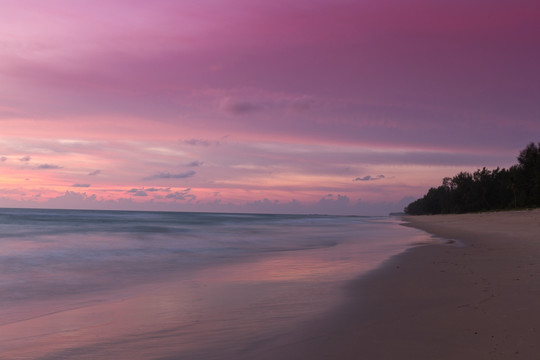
[{"x": 485, "y": 190}]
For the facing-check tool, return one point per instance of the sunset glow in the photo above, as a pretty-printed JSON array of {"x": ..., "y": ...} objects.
[{"x": 347, "y": 107}]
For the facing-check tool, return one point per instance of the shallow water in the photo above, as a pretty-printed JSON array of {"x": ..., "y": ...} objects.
[{"x": 148, "y": 285}]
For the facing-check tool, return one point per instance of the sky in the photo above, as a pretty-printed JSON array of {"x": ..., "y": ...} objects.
[{"x": 297, "y": 106}]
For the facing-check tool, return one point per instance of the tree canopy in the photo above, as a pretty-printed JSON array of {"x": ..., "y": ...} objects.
[{"x": 485, "y": 190}]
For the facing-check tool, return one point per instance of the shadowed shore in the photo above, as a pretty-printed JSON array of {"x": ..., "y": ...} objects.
[{"x": 476, "y": 299}]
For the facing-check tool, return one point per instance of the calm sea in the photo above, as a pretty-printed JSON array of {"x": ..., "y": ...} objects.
[{"x": 163, "y": 285}]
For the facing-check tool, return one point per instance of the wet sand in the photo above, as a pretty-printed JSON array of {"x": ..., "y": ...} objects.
[
  {"x": 478, "y": 298},
  {"x": 220, "y": 307}
]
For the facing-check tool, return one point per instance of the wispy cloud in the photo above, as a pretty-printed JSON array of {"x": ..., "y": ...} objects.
[
  {"x": 81, "y": 185},
  {"x": 25, "y": 159},
  {"x": 198, "y": 142},
  {"x": 168, "y": 175},
  {"x": 48, "y": 166},
  {"x": 181, "y": 195},
  {"x": 194, "y": 163},
  {"x": 94, "y": 173},
  {"x": 3, "y": 158},
  {"x": 146, "y": 192},
  {"x": 137, "y": 192},
  {"x": 242, "y": 102},
  {"x": 369, "y": 178},
  {"x": 240, "y": 107}
]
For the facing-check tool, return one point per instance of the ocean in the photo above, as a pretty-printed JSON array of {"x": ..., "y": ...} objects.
[{"x": 170, "y": 285}]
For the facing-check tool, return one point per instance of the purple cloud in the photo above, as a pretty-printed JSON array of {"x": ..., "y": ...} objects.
[
  {"x": 167, "y": 175},
  {"x": 194, "y": 163},
  {"x": 197, "y": 142},
  {"x": 48, "y": 166},
  {"x": 369, "y": 178},
  {"x": 181, "y": 195},
  {"x": 240, "y": 107},
  {"x": 152, "y": 189},
  {"x": 137, "y": 192}
]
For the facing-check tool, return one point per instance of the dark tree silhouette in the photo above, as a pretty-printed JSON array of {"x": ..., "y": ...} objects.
[{"x": 485, "y": 189}]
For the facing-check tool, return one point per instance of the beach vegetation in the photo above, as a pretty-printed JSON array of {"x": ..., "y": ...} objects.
[{"x": 486, "y": 190}]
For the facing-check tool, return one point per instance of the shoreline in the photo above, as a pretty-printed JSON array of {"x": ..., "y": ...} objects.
[{"x": 477, "y": 299}]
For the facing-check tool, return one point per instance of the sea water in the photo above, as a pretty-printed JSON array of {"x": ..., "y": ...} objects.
[{"x": 166, "y": 285}]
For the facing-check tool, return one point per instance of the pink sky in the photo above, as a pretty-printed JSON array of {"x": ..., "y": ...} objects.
[{"x": 328, "y": 106}]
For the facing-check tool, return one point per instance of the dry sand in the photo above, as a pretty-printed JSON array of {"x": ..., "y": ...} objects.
[{"x": 476, "y": 299}]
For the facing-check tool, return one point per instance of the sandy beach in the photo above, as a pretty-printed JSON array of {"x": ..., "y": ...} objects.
[
  {"x": 475, "y": 298},
  {"x": 472, "y": 291},
  {"x": 141, "y": 285}
]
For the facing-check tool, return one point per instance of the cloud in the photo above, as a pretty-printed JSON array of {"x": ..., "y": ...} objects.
[
  {"x": 176, "y": 196},
  {"x": 48, "y": 166},
  {"x": 194, "y": 163},
  {"x": 152, "y": 189},
  {"x": 167, "y": 175},
  {"x": 144, "y": 192},
  {"x": 25, "y": 159},
  {"x": 244, "y": 103},
  {"x": 95, "y": 172},
  {"x": 239, "y": 107},
  {"x": 181, "y": 195},
  {"x": 343, "y": 200},
  {"x": 137, "y": 192},
  {"x": 3, "y": 158},
  {"x": 197, "y": 142},
  {"x": 4, "y": 191},
  {"x": 72, "y": 199},
  {"x": 369, "y": 178},
  {"x": 81, "y": 185}
]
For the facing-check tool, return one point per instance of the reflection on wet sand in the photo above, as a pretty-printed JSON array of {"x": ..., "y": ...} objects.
[{"x": 154, "y": 307}]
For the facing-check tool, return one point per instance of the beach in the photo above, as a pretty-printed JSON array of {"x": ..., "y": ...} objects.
[
  {"x": 469, "y": 291},
  {"x": 147, "y": 285},
  {"x": 474, "y": 297}
]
